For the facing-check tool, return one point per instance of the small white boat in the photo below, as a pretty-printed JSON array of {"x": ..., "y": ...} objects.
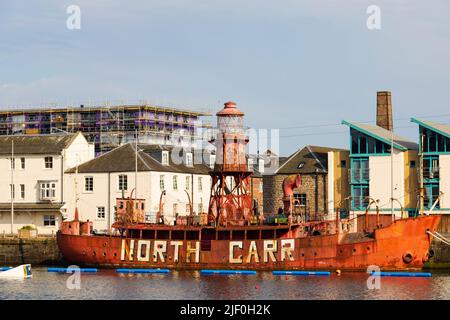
[{"x": 21, "y": 272}]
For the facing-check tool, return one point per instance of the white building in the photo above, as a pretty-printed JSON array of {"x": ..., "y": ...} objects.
[
  {"x": 35, "y": 178},
  {"x": 99, "y": 182},
  {"x": 434, "y": 142},
  {"x": 377, "y": 173}
]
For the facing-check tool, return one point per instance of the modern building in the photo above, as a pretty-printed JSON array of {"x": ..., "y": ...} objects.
[
  {"x": 434, "y": 147},
  {"x": 32, "y": 170},
  {"x": 166, "y": 176},
  {"x": 383, "y": 166},
  {"x": 109, "y": 126},
  {"x": 318, "y": 191}
]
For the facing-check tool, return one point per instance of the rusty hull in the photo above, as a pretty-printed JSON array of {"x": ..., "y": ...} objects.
[{"x": 387, "y": 248}]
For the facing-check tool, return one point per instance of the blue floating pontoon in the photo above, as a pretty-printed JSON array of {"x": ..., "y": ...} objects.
[
  {"x": 248, "y": 272},
  {"x": 143, "y": 270},
  {"x": 402, "y": 274},
  {"x": 300, "y": 273},
  {"x": 65, "y": 270},
  {"x": 5, "y": 268}
]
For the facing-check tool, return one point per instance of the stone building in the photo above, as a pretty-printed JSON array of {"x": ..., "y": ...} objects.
[{"x": 313, "y": 195}]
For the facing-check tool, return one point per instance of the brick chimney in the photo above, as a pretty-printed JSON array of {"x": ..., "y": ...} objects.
[{"x": 384, "y": 110}]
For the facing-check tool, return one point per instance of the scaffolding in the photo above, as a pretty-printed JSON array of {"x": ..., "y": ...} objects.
[{"x": 108, "y": 126}]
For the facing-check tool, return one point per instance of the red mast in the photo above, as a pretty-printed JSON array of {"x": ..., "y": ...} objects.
[{"x": 231, "y": 202}]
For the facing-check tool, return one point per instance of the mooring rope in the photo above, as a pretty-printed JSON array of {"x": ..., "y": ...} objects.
[{"x": 439, "y": 237}]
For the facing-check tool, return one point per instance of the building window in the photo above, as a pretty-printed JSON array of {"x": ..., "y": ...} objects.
[
  {"x": 100, "y": 212},
  {"x": 49, "y": 220},
  {"x": 123, "y": 182},
  {"x": 13, "y": 163},
  {"x": 89, "y": 184},
  {"x": 175, "y": 209},
  {"x": 359, "y": 197},
  {"x": 300, "y": 199},
  {"x": 48, "y": 162},
  {"x": 48, "y": 190},
  {"x": 22, "y": 191},
  {"x": 165, "y": 158},
  {"x": 431, "y": 168},
  {"x": 12, "y": 192},
  {"x": 363, "y": 144},
  {"x": 261, "y": 165},
  {"x": 250, "y": 164},
  {"x": 212, "y": 161},
  {"x": 161, "y": 182},
  {"x": 22, "y": 163},
  {"x": 175, "y": 183},
  {"x": 360, "y": 170},
  {"x": 188, "y": 209},
  {"x": 431, "y": 191},
  {"x": 189, "y": 161},
  {"x": 200, "y": 184},
  {"x": 412, "y": 164},
  {"x": 343, "y": 163},
  {"x": 188, "y": 183}
]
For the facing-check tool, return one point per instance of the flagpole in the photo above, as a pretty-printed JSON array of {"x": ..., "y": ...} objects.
[{"x": 12, "y": 186}]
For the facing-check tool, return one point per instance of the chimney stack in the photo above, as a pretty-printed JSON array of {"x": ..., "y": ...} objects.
[{"x": 384, "y": 110}]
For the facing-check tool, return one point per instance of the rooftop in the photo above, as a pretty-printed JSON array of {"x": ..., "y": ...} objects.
[
  {"x": 437, "y": 127},
  {"x": 95, "y": 108},
  {"x": 310, "y": 159},
  {"x": 36, "y": 144},
  {"x": 122, "y": 159},
  {"x": 384, "y": 135}
]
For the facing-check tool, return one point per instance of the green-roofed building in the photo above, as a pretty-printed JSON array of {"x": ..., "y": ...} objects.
[{"x": 434, "y": 145}]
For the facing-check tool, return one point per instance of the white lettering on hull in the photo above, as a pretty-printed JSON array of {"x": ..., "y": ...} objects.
[
  {"x": 232, "y": 258},
  {"x": 238, "y": 253}
]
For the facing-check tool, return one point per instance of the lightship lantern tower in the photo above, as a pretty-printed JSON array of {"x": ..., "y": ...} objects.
[{"x": 231, "y": 200}]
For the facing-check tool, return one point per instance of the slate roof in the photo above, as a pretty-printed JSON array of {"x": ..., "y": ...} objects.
[
  {"x": 310, "y": 159},
  {"x": 437, "y": 127},
  {"x": 122, "y": 159},
  {"x": 36, "y": 144},
  {"x": 383, "y": 135}
]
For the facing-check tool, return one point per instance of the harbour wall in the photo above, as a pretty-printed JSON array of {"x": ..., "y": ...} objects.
[
  {"x": 441, "y": 255},
  {"x": 37, "y": 251}
]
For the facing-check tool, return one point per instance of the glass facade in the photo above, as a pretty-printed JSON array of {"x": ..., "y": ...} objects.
[
  {"x": 363, "y": 146},
  {"x": 433, "y": 145}
]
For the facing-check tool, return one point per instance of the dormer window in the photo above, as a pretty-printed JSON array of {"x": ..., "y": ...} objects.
[
  {"x": 165, "y": 158},
  {"x": 300, "y": 165},
  {"x": 189, "y": 161}
]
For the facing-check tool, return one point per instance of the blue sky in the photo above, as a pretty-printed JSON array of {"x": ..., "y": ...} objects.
[{"x": 299, "y": 65}]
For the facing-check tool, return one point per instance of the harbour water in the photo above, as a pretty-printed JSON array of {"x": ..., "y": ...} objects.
[{"x": 107, "y": 284}]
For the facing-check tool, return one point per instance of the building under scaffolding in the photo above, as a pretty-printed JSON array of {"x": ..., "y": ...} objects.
[{"x": 109, "y": 126}]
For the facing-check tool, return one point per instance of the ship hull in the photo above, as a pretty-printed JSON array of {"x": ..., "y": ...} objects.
[{"x": 402, "y": 245}]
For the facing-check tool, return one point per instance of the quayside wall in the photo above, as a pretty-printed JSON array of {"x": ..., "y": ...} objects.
[{"x": 37, "y": 251}]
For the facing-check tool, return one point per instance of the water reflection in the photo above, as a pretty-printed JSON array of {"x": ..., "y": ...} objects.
[{"x": 108, "y": 284}]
